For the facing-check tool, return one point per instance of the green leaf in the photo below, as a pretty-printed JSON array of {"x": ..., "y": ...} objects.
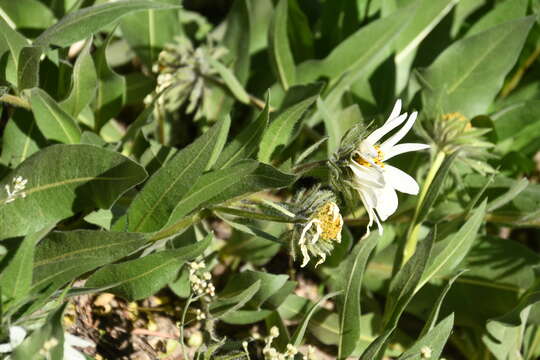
[
  {"x": 270, "y": 284},
  {"x": 516, "y": 127},
  {"x": 349, "y": 302},
  {"x": 244, "y": 145},
  {"x": 54, "y": 123},
  {"x": 278, "y": 46},
  {"x": 16, "y": 278},
  {"x": 504, "y": 11},
  {"x": 435, "y": 340},
  {"x": 221, "y": 185},
  {"x": 147, "y": 32},
  {"x": 298, "y": 335},
  {"x": 467, "y": 76},
  {"x": 87, "y": 177},
  {"x": 63, "y": 256},
  {"x": 223, "y": 306},
  {"x": 455, "y": 247},
  {"x": 140, "y": 278},
  {"x": 282, "y": 126},
  {"x": 28, "y": 67},
  {"x": 82, "y": 23},
  {"x": 84, "y": 84},
  {"x": 111, "y": 89},
  {"x": 154, "y": 204},
  {"x": 21, "y": 138},
  {"x": 230, "y": 81},
  {"x": 15, "y": 43}
]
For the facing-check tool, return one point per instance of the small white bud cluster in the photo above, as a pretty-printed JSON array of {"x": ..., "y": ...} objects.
[
  {"x": 200, "y": 314},
  {"x": 270, "y": 353},
  {"x": 200, "y": 280},
  {"x": 19, "y": 184}
]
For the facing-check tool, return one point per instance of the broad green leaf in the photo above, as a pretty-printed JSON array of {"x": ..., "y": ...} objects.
[
  {"x": 516, "y": 128},
  {"x": 148, "y": 31},
  {"x": 218, "y": 186},
  {"x": 504, "y": 11},
  {"x": 270, "y": 284},
  {"x": 434, "y": 340},
  {"x": 84, "y": 83},
  {"x": 140, "y": 278},
  {"x": 230, "y": 81},
  {"x": 28, "y": 14},
  {"x": 52, "y": 120},
  {"x": 51, "y": 329},
  {"x": 28, "y": 67},
  {"x": 278, "y": 46},
  {"x": 282, "y": 126},
  {"x": 349, "y": 301},
  {"x": 469, "y": 73},
  {"x": 244, "y": 317},
  {"x": 223, "y": 306},
  {"x": 63, "y": 180},
  {"x": 154, "y": 204},
  {"x": 244, "y": 145},
  {"x": 455, "y": 247},
  {"x": 16, "y": 278},
  {"x": 64, "y": 256},
  {"x": 15, "y": 43},
  {"x": 82, "y": 23},
  {"x": 298, "y": 335},
  {"x": 111, "y": 89},
  {"x": 21, "y": 138}
]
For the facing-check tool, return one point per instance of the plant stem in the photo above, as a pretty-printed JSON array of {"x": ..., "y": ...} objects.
[
  {"x": 15, "y": 101},
  {"x": 414, "y": 228},
  {"x": 182, "y": 323},
  {"x": 309, "y": 166}
]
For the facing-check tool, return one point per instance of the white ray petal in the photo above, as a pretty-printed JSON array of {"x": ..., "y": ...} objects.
[
  {"x": 376, "y": 135},
  {"x": 395, "y": 111},
  {"x": 367, "y": 176},
  {"x": 394, "y": 139},
  {"x": 387, "y": 202},
  {"x": 400, "y": 180},
  {"x": 404, "y": 148}
]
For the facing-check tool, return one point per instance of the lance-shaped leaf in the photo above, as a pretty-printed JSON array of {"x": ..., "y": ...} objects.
[
  {"x": 28, "y": 67},
  {"x": 82, "y": 23},
  {"x": 21, "y": 138},
  {"x": 349, "y": 302},
  {"x": 281, "y": 128},
  {"x": 225, "y": 305},
  {"x": 467, "y": 76},
  {"x": 221, "y": 185},
  {"x": 16, "y": 278},
  {"x": 154, "y": 204},
  {"x": 63, "y": 256},
  {"x": 15, "y": 43},
  {"x": 278, "y": 46},
  {"x": 148, "y": 31},
  {"x": 244, "y": 145},
  {"x": 140, "y": 278},
  {"x": 84, "y": 85},
  {"x": 434, "y": 340},
  {"x": 230, "y": 81},
  {"x": 52, "y": 120},
  {"x": 63, "y": 180}
]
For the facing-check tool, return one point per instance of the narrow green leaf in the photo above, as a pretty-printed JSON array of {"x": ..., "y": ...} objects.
[
  {"x": 434, "y": 340},
  {"x": 143, "y": 277},
  {"x": 84, "y": 84},
  {"x": 455, "y": 247},
  {"x": 221, "y": 185},
  {"x": 16, "y": 278},
  {"x": 503, "y": 12},
  {"x": 516, "y": 188},
  {"x": 223, "y": 306},
  {"x": 278, "y": 46},
  {"x": 154, "y": 204},
  {"x": 148, "y": 31},
  {"x": 298, "y": 335},
  {"x": 28, "y": 67},
  {"x": 82, "y": 23},
  {"x": 349, "y": 302},
  {"x": 230, "y": 80},
  {"x": 281, "y": 128},
  {"x": 21, "y": 138},
  {"x": 15, "y": 43},
  {"x": 467, "y": 76},
  {"x": 63, "y": 180},
  {"x": 54, "y": 123},
  {"x": 244, "y": 145}
]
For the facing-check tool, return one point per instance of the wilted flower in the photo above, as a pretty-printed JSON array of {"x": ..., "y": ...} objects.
[
  {"x": 369, "y": 176},
  {"x": 321, "y": 227}
]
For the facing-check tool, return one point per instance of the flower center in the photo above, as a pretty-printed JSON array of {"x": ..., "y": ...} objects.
[
  {"x": 330, "y": 220},
  {"x": 377, "y": 159}
]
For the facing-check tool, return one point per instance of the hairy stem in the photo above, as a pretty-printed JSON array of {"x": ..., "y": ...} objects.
[{"x": 15, "y": 101}]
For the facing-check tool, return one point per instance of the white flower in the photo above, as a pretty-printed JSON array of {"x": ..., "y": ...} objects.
[
  {"x": 19, "y": 184},
  {"x": 377, "y": 182}
]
